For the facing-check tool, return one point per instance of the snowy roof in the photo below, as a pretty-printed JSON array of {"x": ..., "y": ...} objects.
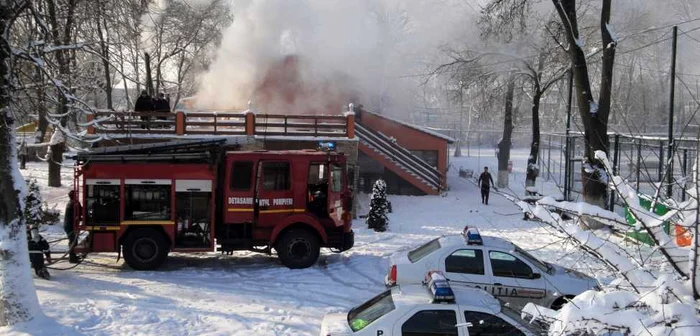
[
  {"x": 490, "y": 241},
  {"x": 415, "y": 127}
]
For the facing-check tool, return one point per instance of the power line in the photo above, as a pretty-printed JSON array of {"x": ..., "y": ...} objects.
[{"x": 660, "y": 40}]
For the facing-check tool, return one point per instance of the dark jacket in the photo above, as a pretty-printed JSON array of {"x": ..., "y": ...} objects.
[
  {"x": 144, "y": 103},
  {"x": 70, "y": 216},
  {"x": 485, "y": 180},
  {"x": 162, "y": 105}
]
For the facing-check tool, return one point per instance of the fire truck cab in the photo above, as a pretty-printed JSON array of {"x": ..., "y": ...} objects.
[{"x": 196, "y": 196}]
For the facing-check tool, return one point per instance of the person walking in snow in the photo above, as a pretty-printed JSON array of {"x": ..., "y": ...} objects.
[
  {"x": 23, "y": 153},
  {"x": 485, "y": 181},
  {"x": 68, "y": 221}
]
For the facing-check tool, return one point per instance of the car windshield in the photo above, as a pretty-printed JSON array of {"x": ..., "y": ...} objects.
[
  {"x": 545, "y": 267},
  {"x": 510, "y": 312},
  {"x": 424, "y": 250},
  {"x": 368, "y": 312}
]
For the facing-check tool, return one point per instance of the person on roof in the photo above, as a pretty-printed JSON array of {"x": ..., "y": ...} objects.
[
  {"x": 485, "y": 181},
  {"x": 144, "y": 103}
]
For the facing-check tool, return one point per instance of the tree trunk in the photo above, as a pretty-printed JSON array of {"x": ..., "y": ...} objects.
[
  {"x": 104, "y": 52},
  {"x": 55, "y": 160},
  {"x": 149, "y": 79},
  {"x": 505, "y": 143},
  {"x": 532, "y": 169},
  {"x": 18, "y": 301},
  {"x": 594, "y": 116},
  {"x": 42, "y": 122}
]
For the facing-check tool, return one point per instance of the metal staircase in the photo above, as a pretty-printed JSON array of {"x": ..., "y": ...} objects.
[{"x": 399, "y": 160}]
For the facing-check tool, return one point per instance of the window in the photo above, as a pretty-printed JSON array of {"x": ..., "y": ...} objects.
[
  {"x": 465, "y": 261},
  {"x": 317, "y": 173},
  {"x": 431, "y": 323},
  {"x": 103, "y": 205},
  {"x": 506, "y": 265},
  {"x": 368, "y": 312},
  {"x": 545, "y": 267},
  {"x": 147, "y": 202},
  {"x": 242, "y": 175},
  {"x": 489, "y": 325},
  {"x": 424, "y": 250},
  {"x": 336, "y": 178},
  {"x": 275, "y": 176}
]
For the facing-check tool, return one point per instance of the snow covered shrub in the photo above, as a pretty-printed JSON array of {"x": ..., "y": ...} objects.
[
  {"x": 33, "y": 212},
  {"x": 379, "y": 207},
  {"x": 645, "y": 299}
]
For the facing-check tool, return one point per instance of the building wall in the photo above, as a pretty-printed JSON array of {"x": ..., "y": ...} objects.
[{"x": 409, "y": 138}]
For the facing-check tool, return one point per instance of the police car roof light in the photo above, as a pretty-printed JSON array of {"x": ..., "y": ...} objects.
[
  {"x": 472, "y": 236},
  {"x": 439, "y": 287}
]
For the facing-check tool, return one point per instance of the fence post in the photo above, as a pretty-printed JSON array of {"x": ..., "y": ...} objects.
[
  {"x": 91, "y": 127},
  {"x": 616, "y": 157},
  {"x": 639, "y": 161},
  {"x": 249, "y": 123},
  {"x": 180, "y": 123},
  {"x": 549, "y": 157},
  {"x": 685, "y": 172},
  {"x": 661, "y": 163},
  {"x": 567, "y": 150},
  {"x": 350, "y": 125}
]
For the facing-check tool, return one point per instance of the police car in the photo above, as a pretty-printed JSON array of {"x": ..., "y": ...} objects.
[
  {"x": 433, "y": 308},
  {"x": 492, "y": 264}
]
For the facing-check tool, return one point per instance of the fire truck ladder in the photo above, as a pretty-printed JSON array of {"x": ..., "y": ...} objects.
[
  {"x": 402, "y": 158},
  {"x": 178, "y": 150}
]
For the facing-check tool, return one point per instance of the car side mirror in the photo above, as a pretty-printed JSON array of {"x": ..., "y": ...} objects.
[{"x": 535, "y": 276}]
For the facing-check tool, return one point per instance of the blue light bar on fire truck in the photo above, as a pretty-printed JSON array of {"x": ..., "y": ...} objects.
[
  {"x": 439, "y": 287},
  {"x": 472, "y": 236},
  {"x": 326, "y": 145}
]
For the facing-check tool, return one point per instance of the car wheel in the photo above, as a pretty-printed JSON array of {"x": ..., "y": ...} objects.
[
  {"x": 298, "y": 248},
  {"x": 145, "y": 249}
]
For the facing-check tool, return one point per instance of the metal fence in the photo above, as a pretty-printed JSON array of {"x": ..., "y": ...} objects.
[{"x": 641, "y": 160}]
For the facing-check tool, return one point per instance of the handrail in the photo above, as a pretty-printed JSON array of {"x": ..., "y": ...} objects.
[
  {"x": 220, "y": 123},
  {"x": 411, "y": 162}
]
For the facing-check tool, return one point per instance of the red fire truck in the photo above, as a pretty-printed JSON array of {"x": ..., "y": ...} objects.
[{"x": 194, "y": 196}]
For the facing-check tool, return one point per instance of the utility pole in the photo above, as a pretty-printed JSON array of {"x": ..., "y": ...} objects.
[
  {"x": 669, "y": 174},
  {"x": 458, "y": 150}
]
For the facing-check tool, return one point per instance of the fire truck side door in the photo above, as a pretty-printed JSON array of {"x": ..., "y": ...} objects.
[
  {"x": 336, "y": 185},
  {"x": 239, "y": 191},
  {"x": 274, "y": 193}
]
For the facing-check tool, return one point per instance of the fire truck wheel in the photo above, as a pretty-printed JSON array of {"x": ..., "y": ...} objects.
[
  {"x": 298, "y": 248},
  {"x": 145, "y": 249}
]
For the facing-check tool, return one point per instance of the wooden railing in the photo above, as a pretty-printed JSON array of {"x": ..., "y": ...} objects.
[{"x": 220, "y": 123}]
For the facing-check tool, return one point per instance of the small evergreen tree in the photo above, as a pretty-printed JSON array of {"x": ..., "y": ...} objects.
[
  {"x": 33, "y": 213},
  {"x": 379, "y": 206}
]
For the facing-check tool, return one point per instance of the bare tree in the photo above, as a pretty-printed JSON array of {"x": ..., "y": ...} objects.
[{"x": 594, "y": 115}]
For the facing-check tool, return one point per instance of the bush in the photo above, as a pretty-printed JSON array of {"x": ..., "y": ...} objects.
[{"x": 379, "y": 207}]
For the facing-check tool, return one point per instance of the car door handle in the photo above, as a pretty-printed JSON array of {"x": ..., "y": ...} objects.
[{"x": 497, "y": 284}]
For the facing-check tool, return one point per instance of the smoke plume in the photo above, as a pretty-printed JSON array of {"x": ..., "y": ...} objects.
[{"x": 315, "y": 56}]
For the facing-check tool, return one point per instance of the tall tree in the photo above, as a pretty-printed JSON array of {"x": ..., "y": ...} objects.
[
  {"x": 594, "y": 115},
  {"x": 507, "y": 139},
  {"x": 18, "y": 301}
]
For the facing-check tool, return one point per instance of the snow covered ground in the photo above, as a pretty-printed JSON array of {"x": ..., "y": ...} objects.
[{"x": 253, "y": 294}]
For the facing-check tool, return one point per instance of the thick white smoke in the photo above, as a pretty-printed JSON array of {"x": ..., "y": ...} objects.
[{"x": 361, "y": 49}]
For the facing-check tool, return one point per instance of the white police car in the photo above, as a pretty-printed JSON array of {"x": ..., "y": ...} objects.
[
  {"x": 430, "y": 309},
  {"x": 493, "y": 264}
]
